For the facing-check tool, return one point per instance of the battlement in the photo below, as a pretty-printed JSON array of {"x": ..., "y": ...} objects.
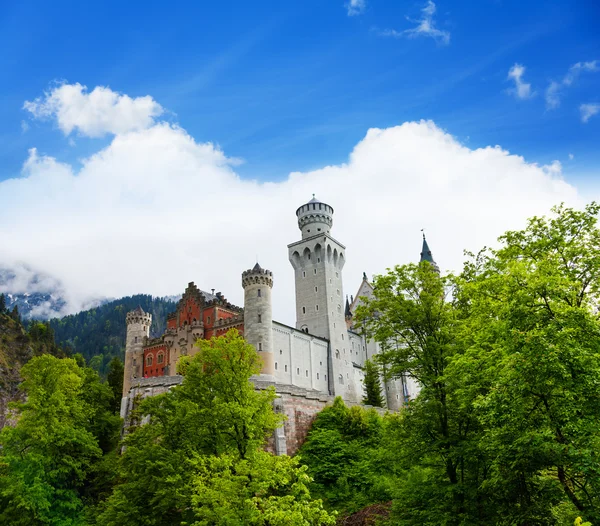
[
  {"x": 138, "y": 316},
  {"x": 257, "y": 276}
]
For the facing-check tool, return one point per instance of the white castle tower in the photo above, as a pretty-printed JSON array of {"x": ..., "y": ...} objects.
[
  {"x": 318, "y": 260},
  {"x": 258, "y": 315},
  {"x": 138, "y": 328}
]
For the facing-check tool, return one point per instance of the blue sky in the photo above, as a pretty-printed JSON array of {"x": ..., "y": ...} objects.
[
  {"x": 293, "y": 85},
  {"x": 390, "y": 111}
]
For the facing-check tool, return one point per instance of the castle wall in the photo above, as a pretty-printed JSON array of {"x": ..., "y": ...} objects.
[{"x": 300, "y": 358}]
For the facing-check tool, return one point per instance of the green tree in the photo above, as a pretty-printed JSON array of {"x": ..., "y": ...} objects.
[
  {"x": 536, "y": 337},
  {"x": 2, "y": 303},
  {"x": 373, "y": 394},
  {"x": 215, "y": 422},
  {"x": 343, "y": 452},
  {"x": 46, "y": 458},
  {"x": 115, "y": 381},
  {"x": 419, "y": 324}
]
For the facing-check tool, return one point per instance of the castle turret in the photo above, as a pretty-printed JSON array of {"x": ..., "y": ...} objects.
[
  {"x": 138, "y": 329},
  {"x": 258, "y": 315},
  {"x": 318, "y": 260},
  {"x": 426, "y": 254}
]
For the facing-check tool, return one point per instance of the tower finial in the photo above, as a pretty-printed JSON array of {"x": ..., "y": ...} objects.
[{"x": 314, "y": 196}]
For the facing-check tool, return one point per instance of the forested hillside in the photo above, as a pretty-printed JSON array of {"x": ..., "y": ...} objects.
[
  {"x": 17, "y": 346},
  {"x": 99, "y": 334}
]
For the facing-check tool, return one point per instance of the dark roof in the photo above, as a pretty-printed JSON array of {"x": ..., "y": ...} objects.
[
  {"x": 208, "y": 296},
  {"x": 139, "y": 310},
  {"x": 426, "y": 252},
  {"x": 256, "y": 267},
  {"x": 348, "y": 312}
]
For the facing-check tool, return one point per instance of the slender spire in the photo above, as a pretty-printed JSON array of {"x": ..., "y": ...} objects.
[
  {"x": 348, "y": 312},
  {"x": 426, "y": 252}
]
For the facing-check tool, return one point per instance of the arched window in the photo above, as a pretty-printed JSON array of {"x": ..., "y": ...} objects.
[
  {"x": 341, "y": 379},
  {"x": 337, "y": 354},
  {"x": 160, "y": 358},
  {"x": 149, "y": 360},
  {"x": 259, "y": 293}
]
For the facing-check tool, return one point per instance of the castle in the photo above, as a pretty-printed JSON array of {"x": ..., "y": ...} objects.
[{"x": 322, "y": 357}]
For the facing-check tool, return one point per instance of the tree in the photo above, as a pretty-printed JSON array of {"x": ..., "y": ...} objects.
[
  {"x": 537, "y": 338},
  {"x": 343, "y": 452},
  {"x": 199, "y": 449},
  {"x": 46, "y": 457},
  {"x": 14, "y": 314},
  {"x": 2, "y": 303},
  {"x": 115, "y": 381},
  {"x": 372, "y": 385},
  {"x": 419, "y": 325}
]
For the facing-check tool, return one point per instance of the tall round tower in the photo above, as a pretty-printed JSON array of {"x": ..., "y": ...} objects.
[
  {"x": 138, "y": 328},
  {"x": 258, "y": 315}
]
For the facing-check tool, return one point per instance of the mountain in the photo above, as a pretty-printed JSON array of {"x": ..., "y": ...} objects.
[
  {"x": 17, "y": 346},
  {"x": 99, "y": 333},
  {"x": 35, "y": 294}
]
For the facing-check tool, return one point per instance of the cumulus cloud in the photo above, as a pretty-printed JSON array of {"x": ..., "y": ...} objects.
[
  {"x": 356, "y": 7},
  {"x": 96, "y": 113},
  {"x": 555, "y": 89},
  {"x": 156, "y": 209},
  {"x": 426, "y": 27},
  {"x": 589, "y": 110},
  {"x": 522, "y": 89}
]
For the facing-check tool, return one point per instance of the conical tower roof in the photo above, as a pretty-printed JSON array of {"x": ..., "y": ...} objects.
[{"x": 426, "y": 252}]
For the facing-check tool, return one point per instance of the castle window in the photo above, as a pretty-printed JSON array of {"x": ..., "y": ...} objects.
[
  {"x": 149, "y": 360},
  {"x": 280, "y": 351},
  {"x": 318, "y": 260},
  {"x": 260, "y": 318},
  {"x": 135, "y": 340},
  {"x": 320, "y": 206},
  {"x": 337, "y": 275},
  {"x": 317, "y": 376},
  {"x": 318, "y": 229},
  {"x": 329, "y": 280},
  {"x": 160, "y": 358},
  {"x": 317, "y": 307},
  {"x": 309, "y": 253},
  {"x": 259, "y": 293},
  {"x": 338, "y": 292},
  {"x": 297, "y": 370},
  {"x": 314, "y": 207},
  {"x": 320, "y": 363},
  {"x": 315, "y": 271},
  {"x": 341, "y": 379},
  {"x": 306, "y": 373},
  {"x": 316, "y": 289},
  {"x": 303, "y": 274},
  {"x": 303, "y": 310},
  {"x": 260, "y": 346},
  {"x": 208, "y": 320},
  {"x": 276, "y": 366},
  {"x": 339, "y": 308},
  {"x": 342, "y": 336},
  {"x": 285, "y": 368},
  {"x": 337, "y": 354}
]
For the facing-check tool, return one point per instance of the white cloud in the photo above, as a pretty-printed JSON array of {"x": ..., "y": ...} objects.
[
  {"x": 94, "y": 114},
  {"x": 589, "y": 110},
  {"x": 522, "y": 89},
  {"x": 24, "y": 126},
  {"x": 555, "y": 89},
  {"x": 356, "y": 7},
  {"x": 571, "y": 157},
  {"x": 155, "y": 209},
  {"x": 425, "y": 27}
]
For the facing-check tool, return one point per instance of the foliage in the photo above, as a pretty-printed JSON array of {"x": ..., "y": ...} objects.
[
  {"x": 114, "y": 379},
  {"x": 199, "y": 450},
  {"x": 373, "y": 394},
  {"x": 344, "y": 457},
  {"x": 49, "y": 455}
]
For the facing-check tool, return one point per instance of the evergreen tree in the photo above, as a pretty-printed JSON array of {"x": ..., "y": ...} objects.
[
  {"x": 2, "y": 303},
  {"x": 373, "y": 394},
  {"x": 14, "y": 314},
  {"x": 115, "y": 381}
]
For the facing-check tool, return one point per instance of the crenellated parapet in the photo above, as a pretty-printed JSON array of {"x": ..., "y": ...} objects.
[
  {"x": 257, "y": 276},
  {"x": 138, "y": 316}
]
